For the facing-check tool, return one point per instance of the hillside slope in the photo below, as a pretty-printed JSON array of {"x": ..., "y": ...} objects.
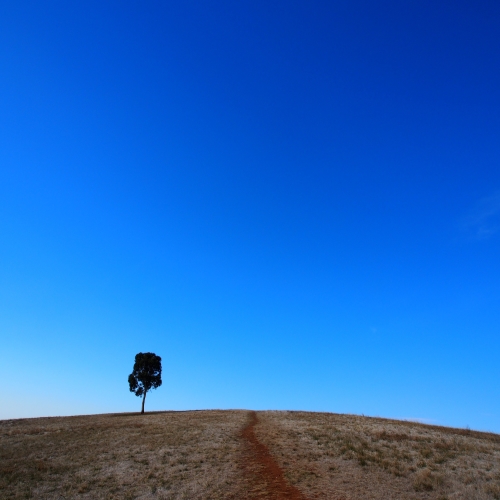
[{"x": 244, "y": 455}]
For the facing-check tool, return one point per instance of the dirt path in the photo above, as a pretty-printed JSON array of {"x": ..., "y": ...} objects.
[{"x": 266, "y": 476}]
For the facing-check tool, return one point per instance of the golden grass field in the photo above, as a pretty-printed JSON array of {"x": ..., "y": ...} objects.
[{"x": 203, "y": 455}]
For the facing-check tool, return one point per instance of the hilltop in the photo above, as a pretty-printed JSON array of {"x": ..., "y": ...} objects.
[{"x": 244, "y": 455}]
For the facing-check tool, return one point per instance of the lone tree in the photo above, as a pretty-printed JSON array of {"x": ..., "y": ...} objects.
[{"x": 146, "y": 375}]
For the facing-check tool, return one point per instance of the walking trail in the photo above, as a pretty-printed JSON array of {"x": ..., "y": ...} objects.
[{"x": 266, "y": 476}]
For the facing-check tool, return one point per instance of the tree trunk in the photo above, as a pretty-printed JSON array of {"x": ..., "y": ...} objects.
[{"x": 143, "y": 401}]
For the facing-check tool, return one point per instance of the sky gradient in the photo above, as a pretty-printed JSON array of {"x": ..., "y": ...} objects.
[{"x": 295, "y": 204}]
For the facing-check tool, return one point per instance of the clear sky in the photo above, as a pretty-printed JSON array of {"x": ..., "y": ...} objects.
[{"x": 295, "y": 204}]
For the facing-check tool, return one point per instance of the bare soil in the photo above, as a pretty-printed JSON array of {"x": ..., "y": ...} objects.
[
  {"x": 244, "y": 455},
  {"x": 266, "y": 475}
]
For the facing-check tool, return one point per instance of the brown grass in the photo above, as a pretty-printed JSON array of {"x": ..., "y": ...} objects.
[
  {"x": 198, "y": 455},
  {"x": 188, "y": 455},
  {"x": 329, "y": 455}
]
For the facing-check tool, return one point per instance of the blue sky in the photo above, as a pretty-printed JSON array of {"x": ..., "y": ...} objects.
[{"x": 295, "y": 204}]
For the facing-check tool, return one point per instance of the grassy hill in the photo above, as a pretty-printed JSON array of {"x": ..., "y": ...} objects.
[{"x": 205, "y": 455}]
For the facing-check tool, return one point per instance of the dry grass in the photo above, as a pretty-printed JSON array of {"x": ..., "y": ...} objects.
[
  {"x": 191, "y": 455},
  {"x": 330, "y": 456},
  {"x": 197, "y": 455}
]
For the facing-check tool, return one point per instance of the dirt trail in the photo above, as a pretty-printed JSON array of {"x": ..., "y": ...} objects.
[{"x": 264, "y": 472}]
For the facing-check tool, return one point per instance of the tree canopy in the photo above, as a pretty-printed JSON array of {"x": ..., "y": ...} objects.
[{"x": 146, "y": 375}]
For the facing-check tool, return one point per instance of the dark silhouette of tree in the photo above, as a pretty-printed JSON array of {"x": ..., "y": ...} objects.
[{"x": 146, "y": 375}]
